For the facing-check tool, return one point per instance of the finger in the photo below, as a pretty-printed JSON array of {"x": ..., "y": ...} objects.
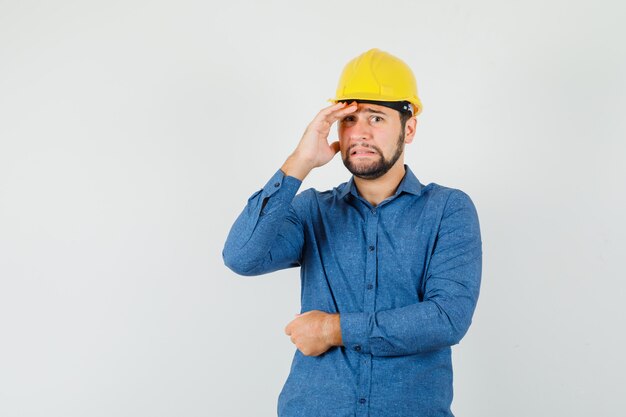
[
  {"x": 335, "y": 146},
  {"x": 339, "y": 113},
  {"x": 333, "y": 107},
  {"x": 348, "y": 109},
  {"x": 330, "y": 109},
  {"x": 330, "y": 115}
]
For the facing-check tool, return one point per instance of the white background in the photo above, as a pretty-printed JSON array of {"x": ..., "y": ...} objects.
[{"x": 133, "y": 132}]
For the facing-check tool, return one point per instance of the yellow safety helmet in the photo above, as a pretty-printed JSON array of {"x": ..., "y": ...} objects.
[{"x": 378, "y": 76}]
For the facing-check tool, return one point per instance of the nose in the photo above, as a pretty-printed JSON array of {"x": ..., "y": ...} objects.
[{"x": 359, "y": 130}]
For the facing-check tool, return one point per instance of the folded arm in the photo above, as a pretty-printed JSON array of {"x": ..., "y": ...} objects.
[{"x": 451, "y": 292}]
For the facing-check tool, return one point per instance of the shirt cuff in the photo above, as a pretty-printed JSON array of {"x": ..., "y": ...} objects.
[
  {"x": 286, "y": 184},
  {"x": 355, "y": 331},
  {"x": 281, "y": 188}
]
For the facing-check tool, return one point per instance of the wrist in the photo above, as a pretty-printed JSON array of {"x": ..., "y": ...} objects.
[
  {"x": 296, "y": 167},
  {"x": 333, "y": 326}
]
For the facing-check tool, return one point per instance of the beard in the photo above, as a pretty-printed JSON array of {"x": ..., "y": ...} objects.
[{"x": 371, "y": 169}]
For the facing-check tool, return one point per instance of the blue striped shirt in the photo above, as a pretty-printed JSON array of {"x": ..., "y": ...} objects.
[{"x": 403, "y": 275}]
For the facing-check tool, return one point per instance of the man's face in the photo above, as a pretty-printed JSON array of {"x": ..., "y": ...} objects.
[{"x": 371, "y": 140}]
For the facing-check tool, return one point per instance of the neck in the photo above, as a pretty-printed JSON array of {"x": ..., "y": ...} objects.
[{"x": 376, "y": 190}]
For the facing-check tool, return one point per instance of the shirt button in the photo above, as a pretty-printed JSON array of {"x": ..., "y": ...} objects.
[
  {"x": 357, "y": 348},
  {"x": 373, "y": 211},
  {"x": 277, "y": 184},
  {"x": 370, "y": 286},
  {"x": 362, "y": 400},
  {"x": 371, "y": 248}
]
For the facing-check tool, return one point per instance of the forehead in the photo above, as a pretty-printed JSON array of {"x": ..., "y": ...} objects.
[{"x": 374, "y": 109}]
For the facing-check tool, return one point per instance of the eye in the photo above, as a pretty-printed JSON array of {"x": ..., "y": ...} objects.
[
  {"x": 348, "y": 119},
  {"x": 377, "y": 119}
]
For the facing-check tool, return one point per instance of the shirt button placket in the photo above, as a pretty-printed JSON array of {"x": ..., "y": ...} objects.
[{"x": 369, "y": 302}]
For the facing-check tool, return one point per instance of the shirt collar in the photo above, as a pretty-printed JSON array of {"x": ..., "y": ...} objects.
[{"x": 409, "y": 184}]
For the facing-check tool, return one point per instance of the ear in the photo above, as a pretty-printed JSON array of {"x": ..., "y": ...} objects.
[{"x": 409, "y": 129}]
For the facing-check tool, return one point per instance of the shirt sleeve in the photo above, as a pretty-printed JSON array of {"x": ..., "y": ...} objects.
[
  {"x": 451, "y": 292},
  {"x": 268, "y": 234}
]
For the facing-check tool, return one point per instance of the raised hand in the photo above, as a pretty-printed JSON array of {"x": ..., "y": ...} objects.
[{"x": 313, "y": 150}]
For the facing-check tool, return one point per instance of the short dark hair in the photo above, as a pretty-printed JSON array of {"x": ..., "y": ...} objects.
[{"x": 404, "y": 117}]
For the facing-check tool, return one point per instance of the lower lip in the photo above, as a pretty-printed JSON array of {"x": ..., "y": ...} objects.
[{"x": 361, "y": 155}]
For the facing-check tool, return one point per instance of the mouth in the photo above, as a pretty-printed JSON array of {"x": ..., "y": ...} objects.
[{"x": 362, "y": 152}]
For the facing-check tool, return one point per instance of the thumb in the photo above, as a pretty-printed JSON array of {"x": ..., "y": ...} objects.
[{"x": 335, "y": 146}]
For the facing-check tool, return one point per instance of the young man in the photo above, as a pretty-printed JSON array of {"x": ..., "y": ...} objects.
[{"x": 390, "y": 268}]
